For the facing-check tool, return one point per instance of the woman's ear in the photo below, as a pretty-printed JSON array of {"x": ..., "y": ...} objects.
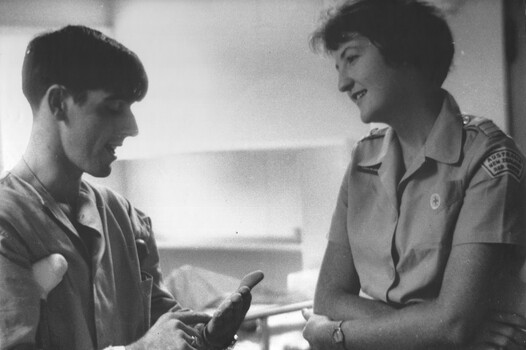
[{"x": 56, "y": 99}]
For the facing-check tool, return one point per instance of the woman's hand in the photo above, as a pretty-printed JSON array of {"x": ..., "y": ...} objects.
[
  {"x": 502, "y": 331},
  {"x": 318, "y": 330}
]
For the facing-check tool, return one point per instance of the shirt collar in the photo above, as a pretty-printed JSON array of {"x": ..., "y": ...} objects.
[
  {"x": 376, "y": 158},
  {"x": 25, "y": 174},
  {"x": 443, "y": 144},
  {"x": 87, "y": 213}
]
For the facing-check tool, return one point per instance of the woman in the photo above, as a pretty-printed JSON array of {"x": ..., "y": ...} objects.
[{"x": 431, "y": 208}]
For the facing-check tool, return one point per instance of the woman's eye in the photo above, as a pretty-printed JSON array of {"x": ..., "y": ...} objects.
[{"x": 352, "y": 58}]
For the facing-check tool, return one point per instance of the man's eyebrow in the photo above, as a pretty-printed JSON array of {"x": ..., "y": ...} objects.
[{"x": 115, "y": 96}]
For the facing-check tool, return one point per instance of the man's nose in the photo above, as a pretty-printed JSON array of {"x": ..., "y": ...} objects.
[{"x": 129, "y": 127}]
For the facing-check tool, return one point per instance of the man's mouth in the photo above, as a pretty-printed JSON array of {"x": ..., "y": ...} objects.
[
  {"x": 111, "y": 147},
  {"x": 358, "y": 95}
]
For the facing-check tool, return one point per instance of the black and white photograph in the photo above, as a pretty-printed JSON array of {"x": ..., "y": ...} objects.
[{"x": 262, "y": 174}]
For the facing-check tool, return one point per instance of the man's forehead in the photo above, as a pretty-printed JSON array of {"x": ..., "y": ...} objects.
[{"x": 107, "y": 94}]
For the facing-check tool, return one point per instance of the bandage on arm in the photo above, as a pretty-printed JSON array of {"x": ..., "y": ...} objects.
[{"x": 48, "y": 272}]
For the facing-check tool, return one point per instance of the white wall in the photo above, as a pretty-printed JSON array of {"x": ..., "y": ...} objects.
[
  {"x": 219, "y": 197},
  {"x": 232, "y": 74},
  {"x": 55, "y": 13},
  {"x": 280, "y": 197}
]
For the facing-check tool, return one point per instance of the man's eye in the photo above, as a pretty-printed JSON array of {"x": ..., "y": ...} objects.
[{"x": 116, "y": 106}]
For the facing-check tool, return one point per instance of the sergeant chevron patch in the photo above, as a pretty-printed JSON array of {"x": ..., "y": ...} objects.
[{"x": 504, "y": 161}]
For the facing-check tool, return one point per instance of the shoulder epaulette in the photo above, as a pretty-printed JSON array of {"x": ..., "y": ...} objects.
[
  {"x": 487, "y": 126},
  {"x": 375, "y": 134}
]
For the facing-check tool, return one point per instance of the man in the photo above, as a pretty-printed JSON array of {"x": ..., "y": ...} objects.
[
  {"x": 81, "y": 85},
  {"x": 430, "y": 213}
]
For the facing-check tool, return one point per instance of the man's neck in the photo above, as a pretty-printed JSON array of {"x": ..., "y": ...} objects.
[{"x": 61, "y": 184}]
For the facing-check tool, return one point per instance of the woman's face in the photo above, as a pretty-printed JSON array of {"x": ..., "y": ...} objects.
[{"x": 378, "y": 89}]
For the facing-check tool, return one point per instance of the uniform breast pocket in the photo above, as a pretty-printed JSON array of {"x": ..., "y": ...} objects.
[
  {"x": 146, "y": 293},
  {"x": 444, "y": 202}
]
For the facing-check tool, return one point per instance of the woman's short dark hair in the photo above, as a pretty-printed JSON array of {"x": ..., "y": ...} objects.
[
  {"x": 405, "y": 31},
  {"x": 81, "y": 59}
]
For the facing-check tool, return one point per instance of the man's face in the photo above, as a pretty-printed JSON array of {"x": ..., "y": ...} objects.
[
  {"x": 374, "y": 86},
  {"x": 93, "y": 129}
]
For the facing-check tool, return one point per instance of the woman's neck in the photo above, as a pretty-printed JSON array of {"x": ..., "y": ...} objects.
[{"x": 415, "y": 123}]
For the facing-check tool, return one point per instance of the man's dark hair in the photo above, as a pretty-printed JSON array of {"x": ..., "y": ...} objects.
[
  {"x": 405, "y": 32},
  {"x": 81, "y": 59}
]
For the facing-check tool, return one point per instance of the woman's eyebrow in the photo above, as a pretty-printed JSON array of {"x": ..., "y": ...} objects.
[{"x": 350, "y": 47}]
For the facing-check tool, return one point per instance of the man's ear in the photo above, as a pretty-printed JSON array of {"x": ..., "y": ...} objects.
[{"x": 56, "y": 99}]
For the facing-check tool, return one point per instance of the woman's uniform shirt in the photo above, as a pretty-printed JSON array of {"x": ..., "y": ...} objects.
[
  {"x": 110, "y": 293},
  {"x": 466, "y": 185}
]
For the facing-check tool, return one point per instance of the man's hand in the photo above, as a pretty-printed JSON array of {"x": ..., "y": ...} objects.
[
  {"x": 225, "y": 322},
  {"x": 317, "y": 331},
  {"x": 503, "y": 331},
  {"x": 172, "y": 331}
]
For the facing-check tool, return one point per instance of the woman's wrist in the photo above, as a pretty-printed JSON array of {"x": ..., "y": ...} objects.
[
  {"x": 337, "y": 336},
  {"x": 333, "y": 336}
]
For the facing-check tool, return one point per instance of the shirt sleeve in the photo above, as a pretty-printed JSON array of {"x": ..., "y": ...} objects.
[
  {"x": 19, "y": 296},
  {"x": 494, "y": 206},
  {"x": 338, "y": 229}
]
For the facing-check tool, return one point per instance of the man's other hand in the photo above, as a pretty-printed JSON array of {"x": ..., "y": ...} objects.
[{"x": 172, "y": 331}]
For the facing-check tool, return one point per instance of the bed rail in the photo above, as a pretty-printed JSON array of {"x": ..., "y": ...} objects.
[
  {"x": 262, "y": 317},
  {"x": 277, "y": 310}
]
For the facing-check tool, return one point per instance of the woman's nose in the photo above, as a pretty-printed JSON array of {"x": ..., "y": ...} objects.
[{"x": 345, "y": 82}]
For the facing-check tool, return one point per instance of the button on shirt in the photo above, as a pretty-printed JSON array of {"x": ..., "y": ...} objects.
[
  {"x": 107, "y": 296},
  {"x": 401, "y": 224}
]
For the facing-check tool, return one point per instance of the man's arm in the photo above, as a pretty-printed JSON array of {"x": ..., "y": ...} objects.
[
  {"x": 148, "y": 256},
  {"x": 446, "y": 322}
]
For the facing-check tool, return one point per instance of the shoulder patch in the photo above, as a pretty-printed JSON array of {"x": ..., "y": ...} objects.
[
  {"x": 504, "y": 161},
  {"x": 487, "y": 126}
]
